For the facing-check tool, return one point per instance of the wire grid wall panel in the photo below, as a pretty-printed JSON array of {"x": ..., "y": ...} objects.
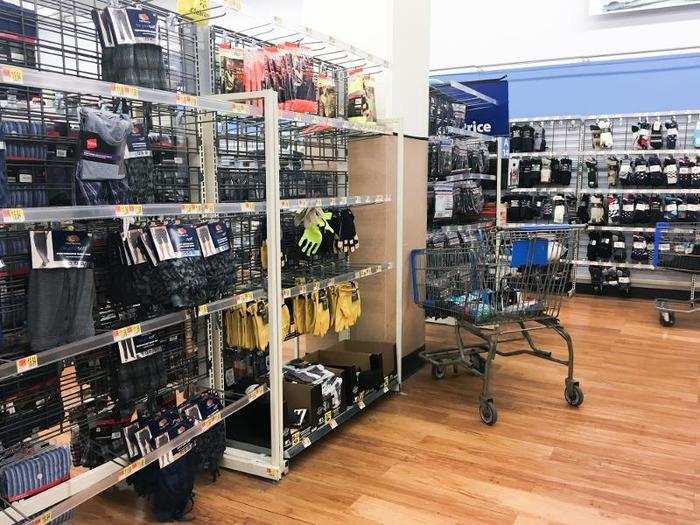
[
  {"x": 66, "y": 42},
  {"x": 47, "y": 404},
  {"x": 42, "y": 145}
]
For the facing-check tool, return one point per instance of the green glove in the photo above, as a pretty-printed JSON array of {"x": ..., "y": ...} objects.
[{"x": 310, "y": 240}]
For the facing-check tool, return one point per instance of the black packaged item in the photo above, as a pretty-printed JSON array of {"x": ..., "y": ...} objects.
[
  {"x": 513, "y": 210},
  {"x": 657, "y": 178},
  {"x": 516, "y": 140},
  {"x": 564, "y": 173},
  {"x": 671, "y": 203},
  {"x": 134, "y": 380},
  {"x": 671, "y": 133},
  {"x": 670, "y": 171},
  {"x": 528, "y": 209},
  {"x": 685, "y": 169},
  {"x": 695, "y": 173},
  {"x": 525, "y": 173},
  {"x": 592, "y": 247},
  {"x": 656, "y": 138},
  {"x": 592, "y": 169},
  {"x": 597, "y": 213},
  {"x": 582, "y": 210},
  {"x": 624, "y": 279},
  {"x": 555, "y": 167},
  {"x": 656, "y": 206},
  {"x": 693, "y": 204},
  {"x": 595, "y": 136},
  {"x": 682, "y": 208},
  {"x": 640, "y": 172},
  {"x": 528, "y": 138},
  {"x": 596, "y": 273},
  {"x": 138, "y": 166},
  {"x": 639, "y": 252},
  {"x": 613, "y": 209},
  {"x": 547, "y": 209},
  {"x": 641, "y": 209},
  {"x": 627, "y": 214},
  {"x": 619, "y": 247},
  {"x": 605, "y": 246},
  {"x": 641, "y": 135}
]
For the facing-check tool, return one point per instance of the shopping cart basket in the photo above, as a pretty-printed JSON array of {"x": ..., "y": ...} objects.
[
  {"x": 500, "y": 286},
  {"x": 677, "y": 248}
]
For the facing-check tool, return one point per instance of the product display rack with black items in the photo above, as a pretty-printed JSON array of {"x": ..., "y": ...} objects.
[
  {"x": 192, "y": 324},
  {"x": 631, "y": 171}
]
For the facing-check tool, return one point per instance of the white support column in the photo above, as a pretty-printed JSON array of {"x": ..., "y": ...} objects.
[{"x": 274, "y": 279}]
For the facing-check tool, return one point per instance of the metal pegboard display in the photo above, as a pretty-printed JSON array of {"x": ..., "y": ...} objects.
[
  {"x": 42, "y": 145},
  {"x": 60, "y": 36},
  {"x": 657, "y": 154}
]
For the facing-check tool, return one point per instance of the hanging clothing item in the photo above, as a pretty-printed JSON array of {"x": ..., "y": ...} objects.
[
  {"x": 131, "y": 51},
  {"x": 99, "y": 173}
]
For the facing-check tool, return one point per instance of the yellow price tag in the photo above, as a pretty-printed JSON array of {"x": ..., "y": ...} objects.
[
  {"x": 306, "y": 442},
  {"x": 12, "y": 75},
  {"x": 195, "y": 10},
  {"x": 255, "y": 393},
  {"x": 27, "y": 363},
  {"x": 131, "y": 468},
  {"x": 333, "y": 424},
  {"x": 203, "y": 309},
  {"x": 128, "y": 210},
  {"x": 45, "y": 518},
  {"x": 209, "y": 207},
  {"x": 126, "y": 332},
  {"x": 211, "y": 421},
  {"x": 343, "y": 200},
  {"x": 237, "y": 107},
  {"x": 185, "y": 99},
  {"x": 122, "y": 90},
  {"x": 328, "y": 416},
  {"x": 366, "y": 272},
  {"x": 286, "y": 293},
  {"x": 295, "y": 439},
  {"x": 12, "y": 215},
  {"x": 191, "y": 208},
  {"x": 248, "y": 206},
  {"x": 319, "y": 203},
  {"x": 361, "y": 404},
  {"x": 246, "y": 297}
]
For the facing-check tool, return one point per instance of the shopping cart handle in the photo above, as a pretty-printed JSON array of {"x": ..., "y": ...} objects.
[{"x": 546, "y": 227}]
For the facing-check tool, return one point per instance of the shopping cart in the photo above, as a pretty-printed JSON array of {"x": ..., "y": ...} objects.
[
  {"x": 500, "y": 286},
  {"x": 677, "y": 248}
]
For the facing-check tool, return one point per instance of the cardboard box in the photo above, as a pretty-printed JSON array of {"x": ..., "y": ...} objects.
[
  {"x": 387, "y": 350},
  {"x": 308, "y": 397},
  {"x": 368, "y": 365}
]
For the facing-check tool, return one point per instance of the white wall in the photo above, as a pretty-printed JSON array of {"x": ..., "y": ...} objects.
[{"x": 478, "y": 32}]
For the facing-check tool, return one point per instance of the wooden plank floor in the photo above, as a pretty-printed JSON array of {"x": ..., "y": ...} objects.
[{"x": 629, "y": 455}]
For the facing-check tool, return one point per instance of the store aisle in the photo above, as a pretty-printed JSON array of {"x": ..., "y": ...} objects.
[{"x": 628, "y": 455}]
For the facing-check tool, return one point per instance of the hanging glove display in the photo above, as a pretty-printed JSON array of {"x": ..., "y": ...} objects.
[
  {"x": 315, "y": 221},
  {"x": 671, "y": 133}
]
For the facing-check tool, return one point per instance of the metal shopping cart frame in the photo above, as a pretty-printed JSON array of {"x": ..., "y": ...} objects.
[
  {"x": 495, "y": 255},
  {"x": 677, "y": 248}
]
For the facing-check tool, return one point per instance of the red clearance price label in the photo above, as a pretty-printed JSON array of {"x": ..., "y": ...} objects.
[
  {"x": 120, "y": 334},
  {"x": 11, "y": 75},
  {"x": 27, "y": 363},
  {"x": 12, "y": 215}
]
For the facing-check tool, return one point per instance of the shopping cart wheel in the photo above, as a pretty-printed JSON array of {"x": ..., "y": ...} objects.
[
  {"x": 667, "y": 318},
  {"x": 488, "y": 412},
  {"x": 437, "y": 371},
  {"x": 573, "y": 395}
]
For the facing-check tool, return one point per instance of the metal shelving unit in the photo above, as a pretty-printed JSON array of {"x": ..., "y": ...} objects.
[{"x": 261, "y": 107}]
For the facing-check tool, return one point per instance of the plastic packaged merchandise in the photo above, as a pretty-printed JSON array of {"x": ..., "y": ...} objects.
[
  {"x": 131, "y": 50},
  {"x": 361, "y": 99}
]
